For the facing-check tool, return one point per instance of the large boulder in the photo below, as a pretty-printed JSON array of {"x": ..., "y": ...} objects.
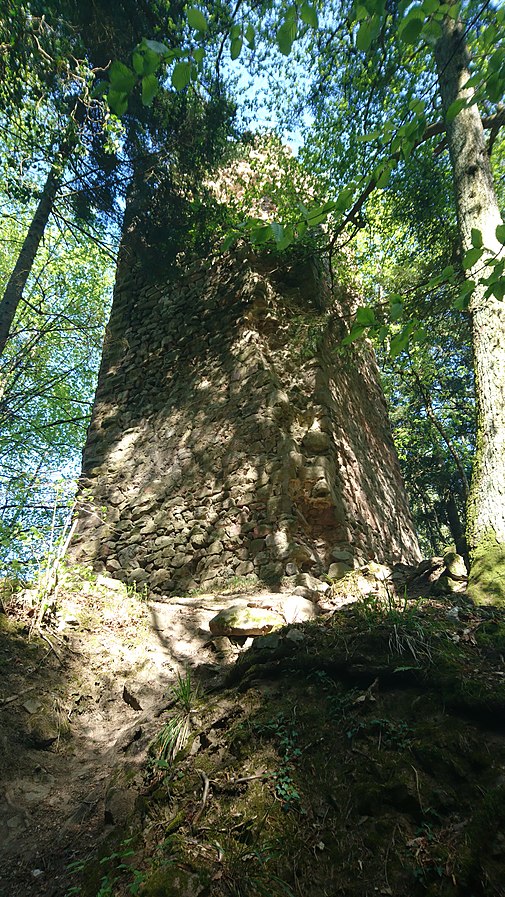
[
  {"x": 297, "y": 609},
  {"x": 240, "y": 620}
]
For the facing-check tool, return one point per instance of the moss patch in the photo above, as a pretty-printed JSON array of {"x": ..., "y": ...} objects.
[{"x": 486, "y": 583}]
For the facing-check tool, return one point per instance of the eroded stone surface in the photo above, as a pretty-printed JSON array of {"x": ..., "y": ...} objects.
[{"x": 218, "y": 449}]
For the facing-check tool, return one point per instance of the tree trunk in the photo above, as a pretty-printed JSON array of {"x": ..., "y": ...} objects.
[
  {"x": 477, "y": 209},
  {"x": 455, "y": 525},
  {"x": 17, "y": 281}
]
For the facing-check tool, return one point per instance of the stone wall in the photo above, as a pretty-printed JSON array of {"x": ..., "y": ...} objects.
[{"x": 231, "y": 435}]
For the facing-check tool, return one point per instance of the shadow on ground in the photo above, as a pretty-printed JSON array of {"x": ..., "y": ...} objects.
[{"x": 360, "y": 754}]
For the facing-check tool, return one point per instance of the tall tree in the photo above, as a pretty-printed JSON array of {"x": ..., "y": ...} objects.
[
  {"x": 56, "y": 48},
  {"x": 16, "y": 283},
  {"x": 40, "y": 71},
  {"x": 480, "y": 225}
]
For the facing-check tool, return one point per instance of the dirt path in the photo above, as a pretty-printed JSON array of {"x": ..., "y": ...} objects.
[{"x": 73, "y": 699}]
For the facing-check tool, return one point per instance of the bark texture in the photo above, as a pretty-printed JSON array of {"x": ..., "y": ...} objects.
[
  {"x": 24, "y": 264},
  {"x": 477, "y": 208}
]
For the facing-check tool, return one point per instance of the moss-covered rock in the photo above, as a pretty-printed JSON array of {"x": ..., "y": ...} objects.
[
  {"x": 455, "y": 565},
  {"x": 241, "y": 620}
]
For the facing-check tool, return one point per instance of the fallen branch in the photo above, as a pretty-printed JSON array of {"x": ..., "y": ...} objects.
[
  {"x": 53, "y": 649},
  {"x": 206, "y": 786}
]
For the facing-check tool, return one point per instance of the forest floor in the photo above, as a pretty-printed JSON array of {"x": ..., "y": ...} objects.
[{"x": 362, "y": 753}]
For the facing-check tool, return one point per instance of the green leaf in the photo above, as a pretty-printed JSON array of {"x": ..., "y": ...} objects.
[
  {"x": 396, "y": 311},
  {"x": 118, "y": 102},
  {"x": 250, "y": 36},
  {"x": 461, "y": 303},
  {"x": 368, "y": 31},
  {"x": 471, "y": 257},
  {"x": 360, "y": 14},
  {"x": 384, "y": 175},
  {"x": 344, "y": 199},
  {"x": 286, "y": 36},
  {"x": 454, "y": 109},
  {"x": 355, "y": 334},
  {"x": 406, "y": 147},
  {"x": 122, "y": 78},
  {"x": 432, "y": 32},
  {"x": 467, "y": 287},
  {"x": 410, "y": 30},
  {"x": 199, "y": 55},
  {"x": 497, "y": 264},
  {"x": 400, "y": 340},
  {"x": 197, "y": 20},
  {"x": 314, "y": 220},
  {"x": 152, "y": 61},
  {"x": 497, "y": 59},
  {"x": 138, "y": 62},
  {"x": 453, "y": 10},
  {"x": 376, "y": 7},
  {"x": 157, "y": 47},
  {"x": 500, "y": 234},
  {"x": 417, "y": 107},
  {"x": 181, "y": 75},
  {"x": 308, "y": 15},
  {"x": 260, "y": 234},
  {"x": 287, "y": 239},
  {"x": 447, "y": 273},
  {"x": 150, "y": 87},
  {"x": 419, "y": 335},
  {"x": 365, "y": 316},
  {"x": 498, "y": 289},
  {"x": 228, "y": 242},
  {"x": 319, "y": 213},
  {"x": 489, "y": 35},
  {"x": 364, "y": 36},
  {"x": 236, "y": 47},
  {"x": 477, "y": 241},
  {"x": 494, "y": 87},
  {"x": 277, "y": 230},
  {"x": 367, "y": 138},
  {"x": 100, "y": 89},
  {"x": 465, "y": 291}
]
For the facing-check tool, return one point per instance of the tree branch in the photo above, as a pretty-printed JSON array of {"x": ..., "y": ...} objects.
[
  {"x": 490, "y": 122},
  {"x": 438, "y": 426}
]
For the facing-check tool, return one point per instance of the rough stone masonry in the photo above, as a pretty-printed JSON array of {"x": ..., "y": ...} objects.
[{"x": 232, "y": 434}]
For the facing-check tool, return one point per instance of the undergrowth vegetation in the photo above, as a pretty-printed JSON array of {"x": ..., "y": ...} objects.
[{"x": 363, "y": 757}]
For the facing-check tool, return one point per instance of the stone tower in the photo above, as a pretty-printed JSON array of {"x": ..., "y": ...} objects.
[{"x": 231, "y": 434}]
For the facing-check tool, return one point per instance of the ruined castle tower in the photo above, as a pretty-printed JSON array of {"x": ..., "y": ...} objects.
[{"x": 231, "y": 433}]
